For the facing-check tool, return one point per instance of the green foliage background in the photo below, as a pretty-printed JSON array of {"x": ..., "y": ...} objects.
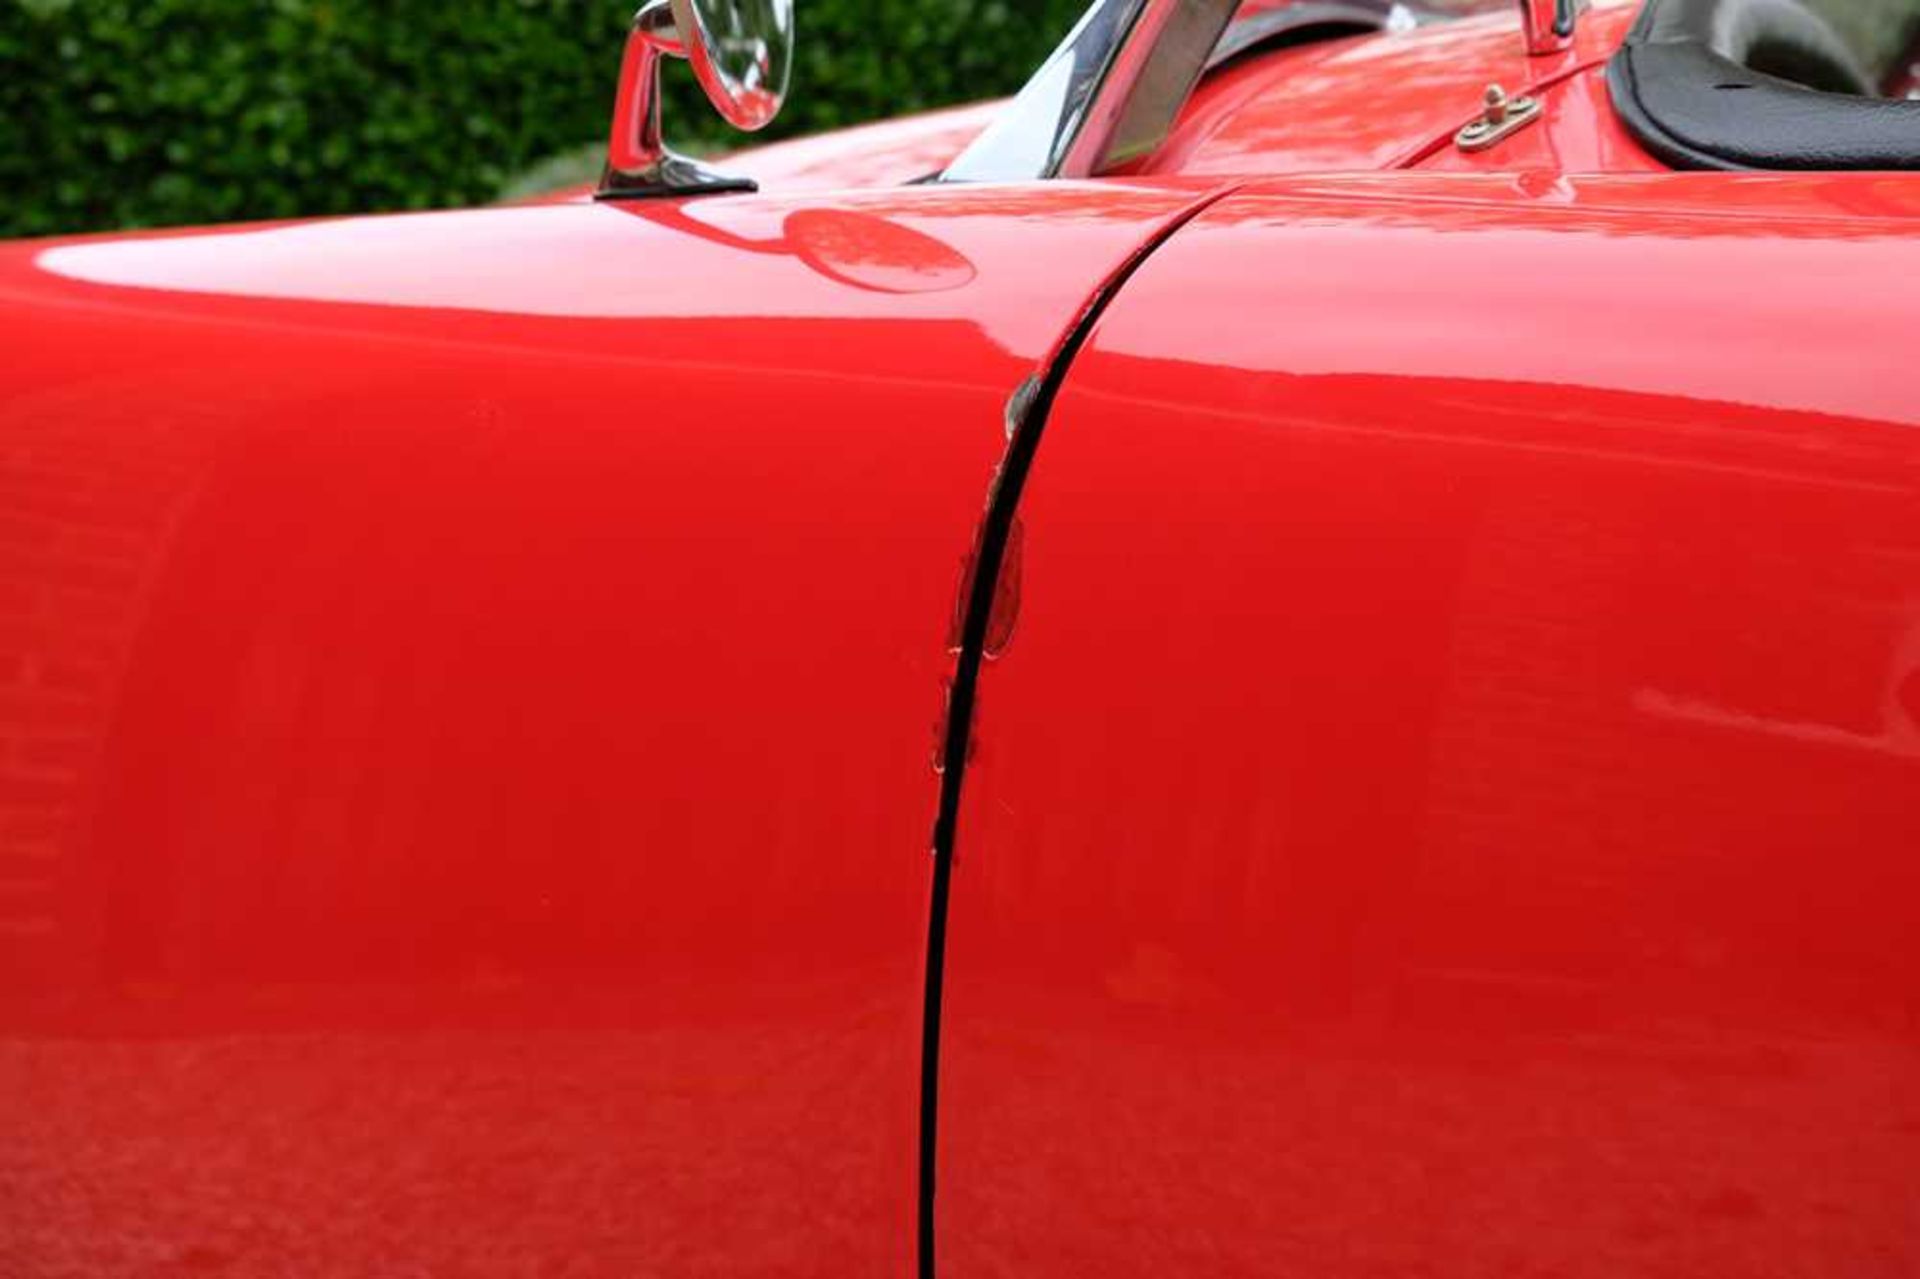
[{"x": 117, "y": 113}]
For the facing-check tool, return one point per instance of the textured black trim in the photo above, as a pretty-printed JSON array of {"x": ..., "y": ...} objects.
[{"x": 1700, "y": 107}]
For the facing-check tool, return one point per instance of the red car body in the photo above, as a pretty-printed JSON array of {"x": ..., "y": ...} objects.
[{"x": 1443, "y": 796}]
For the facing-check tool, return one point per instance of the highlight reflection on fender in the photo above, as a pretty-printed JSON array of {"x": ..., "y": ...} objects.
[
  {"x": 463, "y": 693},
  {"x": 1452, "y": 807}
]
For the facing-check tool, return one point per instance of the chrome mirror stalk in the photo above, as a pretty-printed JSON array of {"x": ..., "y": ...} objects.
[{"x": 639, "y": 163}]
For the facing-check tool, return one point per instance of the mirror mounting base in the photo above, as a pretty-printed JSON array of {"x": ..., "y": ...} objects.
[
  {"x": 639, "y": 164},
  {"x": 670, "y": 175}
]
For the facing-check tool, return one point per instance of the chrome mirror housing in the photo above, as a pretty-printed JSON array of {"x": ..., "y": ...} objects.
[{"x": 742, "y": 54}]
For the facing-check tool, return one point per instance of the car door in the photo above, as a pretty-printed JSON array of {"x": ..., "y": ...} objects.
[
  {"x": 1448, "y": 804},
  {"x": 469, "y": 693}
]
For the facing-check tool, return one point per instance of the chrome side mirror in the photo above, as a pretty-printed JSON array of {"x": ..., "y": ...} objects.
[{"x": 742, "y": 54}]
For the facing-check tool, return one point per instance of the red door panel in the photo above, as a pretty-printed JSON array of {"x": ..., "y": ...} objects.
[
  {"x": 1450, "y": 803},
  {"x": 467, "y": 696}
]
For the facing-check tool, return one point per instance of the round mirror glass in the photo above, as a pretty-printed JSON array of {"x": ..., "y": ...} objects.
[{"x": 742, "y": 51}]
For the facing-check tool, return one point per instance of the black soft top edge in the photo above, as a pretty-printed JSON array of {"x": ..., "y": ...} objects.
[{"x": 1693, "y": 106}]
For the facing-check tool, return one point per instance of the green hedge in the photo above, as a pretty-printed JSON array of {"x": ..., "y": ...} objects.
[{"x": 118, "y": 113}]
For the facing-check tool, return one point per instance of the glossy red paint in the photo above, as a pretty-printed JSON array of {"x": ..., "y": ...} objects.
[
  {"x": 1444, "y": 793},
  {"x": 1368, "y": 102},
  {"x": 1449, "y": 804},
  {"x": 467, "y": 685}
]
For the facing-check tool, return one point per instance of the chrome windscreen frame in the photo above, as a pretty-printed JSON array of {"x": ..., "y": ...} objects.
[
  {"x": 1112, "y": 90},
  {"x": 1125, "y": 60}
]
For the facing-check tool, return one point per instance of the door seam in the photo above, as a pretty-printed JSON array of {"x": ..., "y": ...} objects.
[{"x": 1028, "y": 412}]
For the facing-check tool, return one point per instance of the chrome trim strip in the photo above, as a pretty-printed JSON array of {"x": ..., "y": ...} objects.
[
  {"x": 1112, "y": 90},
  {"x": 1030, "y": 139}
]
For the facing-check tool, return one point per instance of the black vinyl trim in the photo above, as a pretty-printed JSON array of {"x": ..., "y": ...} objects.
[{"x": 1700, "y": 107}]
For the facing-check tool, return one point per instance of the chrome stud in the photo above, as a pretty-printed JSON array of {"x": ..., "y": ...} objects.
[{"x": 1499, "y": 117}]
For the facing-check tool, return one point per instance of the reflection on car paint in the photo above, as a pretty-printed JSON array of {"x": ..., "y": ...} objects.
[{"x": 1451, "y": 805}]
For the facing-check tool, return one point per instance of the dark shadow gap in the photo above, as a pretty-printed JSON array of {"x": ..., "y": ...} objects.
[{"x": 982, "y": 587}]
